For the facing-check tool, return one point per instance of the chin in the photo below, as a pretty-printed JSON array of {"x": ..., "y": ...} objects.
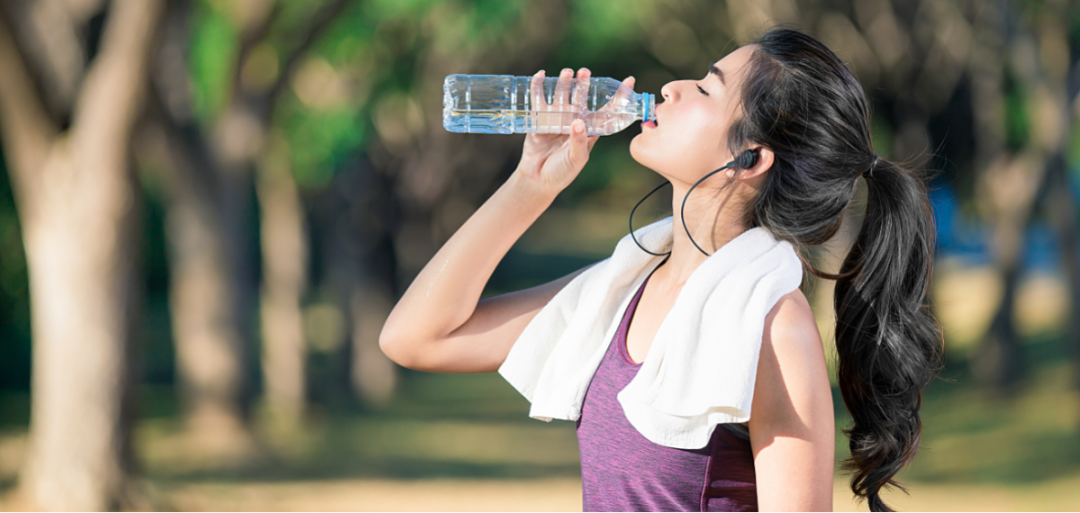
[
  {"x": 635, "y": 153},
  {"x": 644, "y": 160}
]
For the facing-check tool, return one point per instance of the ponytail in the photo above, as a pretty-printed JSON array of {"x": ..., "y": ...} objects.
[
  {"x": 888, "y": 344},
  {"x": 801, "y": 101}
]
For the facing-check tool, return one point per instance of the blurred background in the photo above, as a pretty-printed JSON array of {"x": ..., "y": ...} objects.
[{"x": 208, "y": 209}]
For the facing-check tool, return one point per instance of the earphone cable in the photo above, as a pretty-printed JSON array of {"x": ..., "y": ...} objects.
[{"x": 745, "y": 160}]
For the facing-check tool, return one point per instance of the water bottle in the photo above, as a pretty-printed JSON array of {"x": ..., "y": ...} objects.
[{"x": 505, "y": 104}]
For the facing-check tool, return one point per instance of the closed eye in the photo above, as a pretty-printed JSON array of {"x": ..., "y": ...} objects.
[{"x": 702, "y": 91}]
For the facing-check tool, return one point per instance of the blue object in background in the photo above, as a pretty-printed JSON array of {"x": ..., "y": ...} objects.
[{"x": 969, "y": 240}]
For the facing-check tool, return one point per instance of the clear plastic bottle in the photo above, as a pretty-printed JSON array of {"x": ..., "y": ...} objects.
[{"x": 505, "y": 104}]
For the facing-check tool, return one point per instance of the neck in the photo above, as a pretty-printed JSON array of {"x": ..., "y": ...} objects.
[{"x": 712, "y": 222}]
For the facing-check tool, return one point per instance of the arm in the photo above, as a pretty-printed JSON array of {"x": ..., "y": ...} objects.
[
  {"x": 440, "y": 324},
  {"x": 791, "y": 426}
]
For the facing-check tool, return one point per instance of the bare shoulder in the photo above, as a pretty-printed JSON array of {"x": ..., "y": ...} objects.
[
  {"x": 791, "y": 326},
  {"x": 792, "y": 390}
]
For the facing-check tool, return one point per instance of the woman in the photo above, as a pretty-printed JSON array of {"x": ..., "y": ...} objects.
[{"x": 804, "y": 119}]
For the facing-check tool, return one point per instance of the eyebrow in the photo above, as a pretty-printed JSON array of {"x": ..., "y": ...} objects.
[{"x": 718, "y": 72}]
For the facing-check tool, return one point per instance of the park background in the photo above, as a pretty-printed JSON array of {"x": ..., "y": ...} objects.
[{"x": 208, "y": 208}]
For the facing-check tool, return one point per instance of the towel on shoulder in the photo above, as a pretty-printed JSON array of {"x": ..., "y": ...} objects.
[{"x": 700, "y": 369}]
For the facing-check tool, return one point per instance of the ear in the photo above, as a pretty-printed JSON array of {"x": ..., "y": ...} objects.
[{"x": 764, "y": 163}]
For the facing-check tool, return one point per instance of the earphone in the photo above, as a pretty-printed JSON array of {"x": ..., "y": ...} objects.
[{"x": 745, "y": 160}]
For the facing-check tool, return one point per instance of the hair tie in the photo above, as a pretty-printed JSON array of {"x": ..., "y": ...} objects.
[{"x": 870, "y": 170}]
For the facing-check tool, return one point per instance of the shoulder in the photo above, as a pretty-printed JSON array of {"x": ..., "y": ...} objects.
[
  {"x": 791, "y": 326},
  {"x": 792, "y": 381}
]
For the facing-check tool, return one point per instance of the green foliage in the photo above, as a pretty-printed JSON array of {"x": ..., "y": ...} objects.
[
  {"x": 488, "y": 20},
  {"x": 373, "y": 48},
  {"x": 388, "y": 9},
  {"x": 1017, "y": 118},
  {"x": 881, "y": 134},
  {"x": 602, "y": 27},
  {"x": 14, "y": 293},
  {"x": 212, "y": 52},
  {"x": 346, "y": 39},
  {"x": 319, "y": 140}
]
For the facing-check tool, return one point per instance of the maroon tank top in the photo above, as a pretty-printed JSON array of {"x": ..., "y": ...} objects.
[{"x": 621, "y": 470}]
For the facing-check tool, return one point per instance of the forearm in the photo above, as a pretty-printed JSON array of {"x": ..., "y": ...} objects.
[{"x": 445, "y": 293}]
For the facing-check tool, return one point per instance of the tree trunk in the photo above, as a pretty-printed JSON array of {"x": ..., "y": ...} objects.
[
  {"x": 79, "y": 258},
  {"x": 1063, "y": 215},
  {"x": 209, "y": 343},
  {"x": 209, "y": 273},
  {"x": 76, "y": 199},
  {"x": 997, "y": 359},
  {"x": 374, "y": 377},
  {"x": 284, "y": 252},
  {"x": 360, "y": 272}
]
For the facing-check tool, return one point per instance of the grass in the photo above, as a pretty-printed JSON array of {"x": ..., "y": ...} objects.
[{"x": 465, "y": 442}]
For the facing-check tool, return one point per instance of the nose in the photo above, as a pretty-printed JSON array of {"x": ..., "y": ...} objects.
[
  {"x": 673, "y": 90},
  {"x": 667, "y": 91}
]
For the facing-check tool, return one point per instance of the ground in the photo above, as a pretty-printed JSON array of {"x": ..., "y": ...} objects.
[{"x": 465, "y": 442}]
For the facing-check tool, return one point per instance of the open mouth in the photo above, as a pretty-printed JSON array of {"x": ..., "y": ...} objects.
[{"x": 650, "y": 124}]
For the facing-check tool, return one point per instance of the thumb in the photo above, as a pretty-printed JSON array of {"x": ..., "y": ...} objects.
[{"x": 579, "y": 143}]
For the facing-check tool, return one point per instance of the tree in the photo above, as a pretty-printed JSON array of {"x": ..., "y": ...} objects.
[
  {"x": 211, "y": 166},
  {"x": 77, "y": 202}
]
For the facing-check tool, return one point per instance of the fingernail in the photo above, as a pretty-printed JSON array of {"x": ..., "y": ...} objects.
[
  {"x": 567, "y": 70},
  {"x": 577, "y": 128}
]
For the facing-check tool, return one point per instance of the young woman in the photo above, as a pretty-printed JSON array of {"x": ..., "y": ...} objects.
[{"x": 804, "y": 119}]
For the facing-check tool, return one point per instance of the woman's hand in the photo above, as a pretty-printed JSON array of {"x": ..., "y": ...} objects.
[{"x": 553, "y": 160}]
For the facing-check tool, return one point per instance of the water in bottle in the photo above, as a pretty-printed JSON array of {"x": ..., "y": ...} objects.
[{"x": 505, "y": 104}]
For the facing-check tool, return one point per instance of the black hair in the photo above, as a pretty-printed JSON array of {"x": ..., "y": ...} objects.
[{"x": 801, "y": 101}]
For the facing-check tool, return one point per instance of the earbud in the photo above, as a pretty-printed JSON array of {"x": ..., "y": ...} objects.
[{"x": 745, "y": 160}]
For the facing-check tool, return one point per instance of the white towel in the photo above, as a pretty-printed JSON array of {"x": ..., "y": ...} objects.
[{"x": 699, "y": 370}]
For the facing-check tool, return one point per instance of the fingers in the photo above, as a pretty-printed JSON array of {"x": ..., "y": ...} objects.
[
  {"x": 536, "y": 87},
  {"x": 568, "y": 93},
  {"x": 581, "y": 90},
  {"x": 579, "y": 144},
  {"x": 623, "y": 94},
  {"x": 562, "y": 87}
]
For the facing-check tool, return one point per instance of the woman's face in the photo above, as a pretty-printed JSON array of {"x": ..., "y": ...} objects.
[{"x": 690, "y": 136}]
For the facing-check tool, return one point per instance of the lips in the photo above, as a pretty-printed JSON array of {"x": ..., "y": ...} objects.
[{"x": 654, "y": 122}]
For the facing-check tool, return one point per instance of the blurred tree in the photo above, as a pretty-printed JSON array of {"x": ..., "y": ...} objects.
[
  {"x": 401, "y": 193},
  {"x": 1006, "y": 186},
  {"x": 1055, "y": 84},
  {"x": 216, "y": 151},
  {"x": 68, "y": 145},
  {"x": 1025, "y": 46}
]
